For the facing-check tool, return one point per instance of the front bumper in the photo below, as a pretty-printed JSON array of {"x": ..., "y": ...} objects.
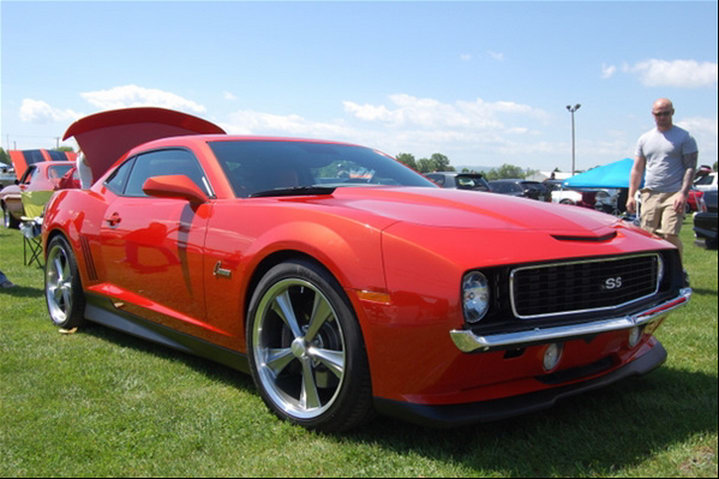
[
  {"x": 468, "y": 342},
  {"x": 493, "y": 410}
]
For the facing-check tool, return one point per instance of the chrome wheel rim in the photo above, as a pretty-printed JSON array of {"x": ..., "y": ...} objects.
[
  {"x": 58, "y": 284},
  {"x": 299, "y": 349}
]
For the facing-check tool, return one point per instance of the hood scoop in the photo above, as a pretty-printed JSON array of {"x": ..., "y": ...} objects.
[{"x": 590, "y": 239}]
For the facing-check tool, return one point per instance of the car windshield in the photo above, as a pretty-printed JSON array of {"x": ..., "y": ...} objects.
[
  {"x": 261, "y": 168},
  {"x": 468, "y": 181},
  {"x": 58, "y": 171},
  {"x": 704, "y": 180}
]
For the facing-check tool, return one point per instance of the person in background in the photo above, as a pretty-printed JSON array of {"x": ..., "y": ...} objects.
[
  {"x": 83, "y": 169},
  {"x": 667, "y": 155},
  {"x": 4, "y": 282}
]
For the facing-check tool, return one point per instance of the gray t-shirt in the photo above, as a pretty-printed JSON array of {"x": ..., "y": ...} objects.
[{"x": 664, "y": 151}]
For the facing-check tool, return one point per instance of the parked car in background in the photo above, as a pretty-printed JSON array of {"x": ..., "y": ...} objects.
[
  {"x": 602, "y": 199},
  {"x": 42, "y": 176},
  {"x": 7, "y": 175},
  {"x": 347, "y": 293},
  {"x": 706, "y": 182},
  {"x": 461, "y": 181},
  {"x": 693, "y": 200},
  {"x": 518, "y": 187},
  {"x": 553, "y": 185},
  {"x": 566, "y": 196},
  {"x": 21, "y": 159},
  {"x": 705, "y": 220}
]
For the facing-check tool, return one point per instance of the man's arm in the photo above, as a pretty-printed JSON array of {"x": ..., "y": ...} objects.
[
  {"x": 635, "y": 179},
  {"x": 690, "y": 165}
]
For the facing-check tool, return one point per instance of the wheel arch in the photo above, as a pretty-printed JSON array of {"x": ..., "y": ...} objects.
[{"x": 278, "y": 257}]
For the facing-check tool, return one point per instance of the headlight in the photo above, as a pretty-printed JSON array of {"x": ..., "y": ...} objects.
[{"x": 475, "y": 296}]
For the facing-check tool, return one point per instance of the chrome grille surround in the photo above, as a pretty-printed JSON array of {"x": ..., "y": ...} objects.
[{"x": 590, "y": 290}]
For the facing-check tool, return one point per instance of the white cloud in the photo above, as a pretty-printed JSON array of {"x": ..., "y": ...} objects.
[
  {"x": 228, "y": 96},
  {"x": 248, "y": 122},
  {"x": 133, "y": 96},
  {"x": 496, "y": 55},
  {"x": 608, "y": 70},
  {"x": 676, "y": 73},
  {"x": 704, "y": 131},
  {"x": 39, "y": 112},
  {"x": 465, "y": 57},
  {"x": 406, "y": 111}
]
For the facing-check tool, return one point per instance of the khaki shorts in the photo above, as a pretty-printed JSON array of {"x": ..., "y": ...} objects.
[{"x": 657, "y": 213}]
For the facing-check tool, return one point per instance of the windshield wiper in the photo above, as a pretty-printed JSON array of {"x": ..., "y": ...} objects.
[{"x": 296, "y": 190}]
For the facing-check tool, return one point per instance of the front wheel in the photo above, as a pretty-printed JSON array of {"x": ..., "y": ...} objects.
[
  {"x": 63, "y": 289},
  {"x": 306, "y": 350}
]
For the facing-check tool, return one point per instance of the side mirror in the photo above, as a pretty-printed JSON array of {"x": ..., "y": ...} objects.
[{"x": 174, "y": 186}]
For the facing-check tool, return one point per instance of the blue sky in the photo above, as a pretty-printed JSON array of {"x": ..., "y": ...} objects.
[{"x": 484, "y": 83}]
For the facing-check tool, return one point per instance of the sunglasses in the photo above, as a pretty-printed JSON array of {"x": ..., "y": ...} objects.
[{"x": 662, "y": 113}]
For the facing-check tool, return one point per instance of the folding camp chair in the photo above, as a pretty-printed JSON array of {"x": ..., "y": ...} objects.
[{"x": 33, "y": 203}]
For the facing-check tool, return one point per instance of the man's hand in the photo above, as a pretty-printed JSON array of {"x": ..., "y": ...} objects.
[
  {"x": 680, "y": 202},
  {"x": 631, "y": 205}
]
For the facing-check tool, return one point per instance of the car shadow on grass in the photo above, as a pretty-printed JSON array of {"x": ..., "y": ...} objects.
[
  {"x": 216, "y": 371},
  {"x": 19, "y": 291},
  {"x": 597, "y": 433}
]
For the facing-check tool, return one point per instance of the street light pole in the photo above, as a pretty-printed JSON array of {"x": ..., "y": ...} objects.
[{"x": 571, "y": 110}]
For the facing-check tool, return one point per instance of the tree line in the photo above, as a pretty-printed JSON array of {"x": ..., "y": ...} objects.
[{"x": 440, "y": 162}]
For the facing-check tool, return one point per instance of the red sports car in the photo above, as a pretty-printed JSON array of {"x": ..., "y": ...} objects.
[
  {"x": 345, "y": 282},
  {"x": 42, "y": 176}
]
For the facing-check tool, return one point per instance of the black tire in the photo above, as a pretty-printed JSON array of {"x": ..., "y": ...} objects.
[
  {"x": 9, "y": 221},
  {"x": 64, "y": 296},
  {"x": 306, "y": 351}
]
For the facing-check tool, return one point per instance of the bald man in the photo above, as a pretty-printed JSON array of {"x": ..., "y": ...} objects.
[{"x": 667, "y": 155}]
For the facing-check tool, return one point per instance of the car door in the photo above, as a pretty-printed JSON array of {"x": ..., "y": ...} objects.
[{"x": 151, "y": 248}]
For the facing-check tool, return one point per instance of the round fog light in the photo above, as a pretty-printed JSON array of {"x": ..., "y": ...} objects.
[
  {"x": 552, "y": 355},
  {"x": 634, "y": 335}
]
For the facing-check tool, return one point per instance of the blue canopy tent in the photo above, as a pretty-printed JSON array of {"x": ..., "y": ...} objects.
[{"x": 613, "y": 175}]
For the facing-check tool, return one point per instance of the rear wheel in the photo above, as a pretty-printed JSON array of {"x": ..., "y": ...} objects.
[
  {"x": 306, "y": 350},
  {"x": 63, "y": 290}
]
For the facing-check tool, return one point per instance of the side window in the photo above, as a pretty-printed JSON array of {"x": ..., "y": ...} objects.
[
  {"x": 117, "y": 180},
  {"x": 165, "y": 162},
  {"x": 439, "y": 179}
]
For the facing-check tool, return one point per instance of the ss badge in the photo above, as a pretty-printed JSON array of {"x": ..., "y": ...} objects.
[{"x": 612, "y": 283}]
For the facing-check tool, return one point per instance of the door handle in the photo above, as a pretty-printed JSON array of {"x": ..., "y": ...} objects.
[{"x": 114, "y": 219}]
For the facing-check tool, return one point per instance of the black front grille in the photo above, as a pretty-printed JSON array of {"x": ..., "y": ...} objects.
[{"x": 582, "y": 286}]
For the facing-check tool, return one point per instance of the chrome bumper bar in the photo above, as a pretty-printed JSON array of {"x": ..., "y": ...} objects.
[{"x": 468, "y": 342}]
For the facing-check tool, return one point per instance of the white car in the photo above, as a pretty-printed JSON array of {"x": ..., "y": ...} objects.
[
  {"x": 706, "y": 182},
  {"x": 605, "y": 200}
]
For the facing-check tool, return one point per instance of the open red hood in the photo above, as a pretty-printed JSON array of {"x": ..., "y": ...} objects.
[
  {"x": 104, "y": 137},
  {"x": 21, "y": 159}
]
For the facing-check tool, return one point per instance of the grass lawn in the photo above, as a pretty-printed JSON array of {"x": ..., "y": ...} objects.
[{"x": 101, "y": 403}]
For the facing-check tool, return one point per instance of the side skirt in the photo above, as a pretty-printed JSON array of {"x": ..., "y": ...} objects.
[{"x": 100, "y": 310}]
